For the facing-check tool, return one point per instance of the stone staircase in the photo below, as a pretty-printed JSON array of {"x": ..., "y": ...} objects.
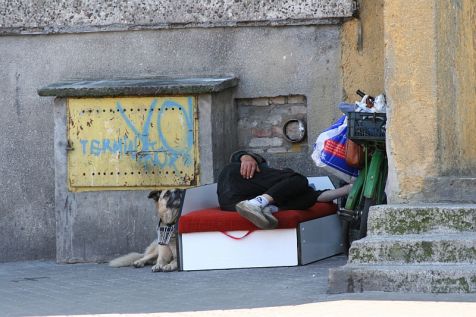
[{"x": 427, "y": 248}]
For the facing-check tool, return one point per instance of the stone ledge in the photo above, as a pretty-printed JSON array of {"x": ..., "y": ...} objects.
[
  {"x": 120, "y": 27},
  {"x": 139, "y": 87},
  {"x": 31, "y": 17},
  {"x": 422, "y": 248},
  {"x": 428, "y": 278},
  {"x": 414, "y": 219}
]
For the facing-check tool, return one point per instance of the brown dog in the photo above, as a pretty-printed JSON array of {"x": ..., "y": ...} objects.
[{"x": 162, "y": 255}]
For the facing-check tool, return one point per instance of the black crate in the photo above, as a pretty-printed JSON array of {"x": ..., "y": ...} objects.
[{"x": 364, "y": 126}]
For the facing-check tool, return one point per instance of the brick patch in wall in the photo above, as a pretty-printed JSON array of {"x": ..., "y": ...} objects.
[{"x": 261, "y": 121}]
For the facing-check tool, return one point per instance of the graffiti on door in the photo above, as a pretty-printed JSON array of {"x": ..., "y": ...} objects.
[{"x": 132, "y": 142}]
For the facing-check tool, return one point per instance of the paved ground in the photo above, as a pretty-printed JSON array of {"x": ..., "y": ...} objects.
[{"x": 39, "y": 288}]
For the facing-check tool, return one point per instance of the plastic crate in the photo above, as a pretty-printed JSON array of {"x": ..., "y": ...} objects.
[{"x": 365, "y": 126}]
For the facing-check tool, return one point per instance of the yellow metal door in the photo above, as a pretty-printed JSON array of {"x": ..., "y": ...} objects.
[{"x": 132, "y": 143}]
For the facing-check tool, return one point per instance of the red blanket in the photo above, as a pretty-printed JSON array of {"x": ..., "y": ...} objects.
[{"x": 214, "y": 219}]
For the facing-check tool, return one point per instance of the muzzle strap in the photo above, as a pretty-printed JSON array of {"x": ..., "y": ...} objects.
[{"x": 165, "y": 233}]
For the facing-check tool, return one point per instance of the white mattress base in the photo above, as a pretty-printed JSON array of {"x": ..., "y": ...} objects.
[{"x": 261, "y": 248}]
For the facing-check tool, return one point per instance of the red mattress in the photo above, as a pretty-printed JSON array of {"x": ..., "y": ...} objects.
[{"x": 214, "y": 219}]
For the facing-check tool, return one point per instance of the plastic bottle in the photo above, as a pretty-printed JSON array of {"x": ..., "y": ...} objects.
[{"x": 369, "y": 100}]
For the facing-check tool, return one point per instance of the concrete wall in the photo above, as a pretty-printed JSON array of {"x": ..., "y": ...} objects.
[
  {"x": 269, "y": 61},
  {"x": 456, "y": 76},
  {"x": 363, "y": 51},
  {"x": 411, "y": 87},
  {"x": 430, "y": 83}
]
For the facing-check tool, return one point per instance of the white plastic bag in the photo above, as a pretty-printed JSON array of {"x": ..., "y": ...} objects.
[
  {"x": 380, "y": 105},
  {"x": 329, "y": 151}
]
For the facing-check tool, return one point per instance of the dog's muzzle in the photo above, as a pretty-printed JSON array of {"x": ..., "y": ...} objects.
[{"x": 164, "y": 233}]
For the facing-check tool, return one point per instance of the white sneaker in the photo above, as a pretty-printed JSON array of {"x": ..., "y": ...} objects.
[
  {"x": 268, "y": 213},
  {"x": 253, "y": 213}
]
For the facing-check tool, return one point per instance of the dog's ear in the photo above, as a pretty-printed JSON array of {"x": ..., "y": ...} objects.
[
  {"x": 180, "y": 193},
  {"x": 155, "y": 194}
]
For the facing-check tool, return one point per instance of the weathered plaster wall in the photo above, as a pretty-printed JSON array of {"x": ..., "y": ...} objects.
[
  {"x": 456, "y": 41},
  {"x": 270, "y": 61},
  {"x": 430, "y": 81},
  {"x": 164, "y": 37},
  {"x": 411, "y": 87},
  {"x": 26, "y": 159},
  {"x": 363, "y": 51},
  {"x": 42, "y": 16}
]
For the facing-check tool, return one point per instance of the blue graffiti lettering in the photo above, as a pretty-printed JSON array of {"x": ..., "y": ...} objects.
[
  {"x": 117, "y": 146},
  {"x": 83, "y": 145},
  {"x": 98, "y": 147},
  {"x": 94, "y": 147},
  {"x": 176, "y": 153},
  {"x": 141, "y": 147},
  {"x": 106, "y": 145}
]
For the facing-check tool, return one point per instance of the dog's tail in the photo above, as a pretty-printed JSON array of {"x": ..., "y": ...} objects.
[{"x": 125, "y": 260}]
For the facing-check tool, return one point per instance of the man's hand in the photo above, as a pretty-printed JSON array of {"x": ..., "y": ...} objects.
[{"x": 248, "y": 166}]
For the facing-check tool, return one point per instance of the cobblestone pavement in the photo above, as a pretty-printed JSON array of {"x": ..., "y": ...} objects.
[{"x": 44, "y": 288}]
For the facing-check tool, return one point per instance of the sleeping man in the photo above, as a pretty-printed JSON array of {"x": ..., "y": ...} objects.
[{"x": 249, "y": 186}]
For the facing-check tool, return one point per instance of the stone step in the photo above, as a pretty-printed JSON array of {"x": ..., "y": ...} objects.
[
  {"x": 416, "y": 219},
  {"x": 416, "y": 278},
  {"x": 415, "y": 248}
]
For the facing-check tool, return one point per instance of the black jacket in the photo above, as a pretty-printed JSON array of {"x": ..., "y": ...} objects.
[{"x": 236, "y": 156}]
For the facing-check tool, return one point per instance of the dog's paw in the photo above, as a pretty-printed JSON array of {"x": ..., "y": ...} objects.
[
  {"x": 138, "y": 264},
  {"x": 169, "y": 267},
  {"x": 156, "y": 268}
]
